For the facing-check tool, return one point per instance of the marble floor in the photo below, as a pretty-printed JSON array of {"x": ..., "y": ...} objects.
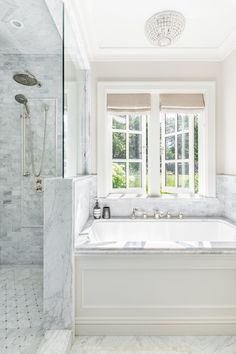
[
  {"x": 21, "y": 296},
  {"x": 154, "y": 345}
]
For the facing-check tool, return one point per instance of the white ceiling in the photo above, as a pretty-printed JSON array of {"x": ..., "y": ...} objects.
[
  {"x": 114, "y": 29},
  {"x": 39, "y": 34}
]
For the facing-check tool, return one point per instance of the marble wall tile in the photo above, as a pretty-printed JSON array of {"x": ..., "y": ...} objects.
[
  {"x": 189, "y": 207},
  {"x": 21, "y": 209},
  {"x": 84, "y": 194},
  {"x": 226, "y": 192},
  {"x": 223, "y": 205}
]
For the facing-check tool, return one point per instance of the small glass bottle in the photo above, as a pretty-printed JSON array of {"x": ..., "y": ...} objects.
[{"x": 97, "y": 213}]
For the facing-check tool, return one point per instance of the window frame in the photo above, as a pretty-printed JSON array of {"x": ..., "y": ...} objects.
[
  {"x": 207, "y": 148},
  {"x": 127, "y": 131},
  {"x": 190, "y": 160}
]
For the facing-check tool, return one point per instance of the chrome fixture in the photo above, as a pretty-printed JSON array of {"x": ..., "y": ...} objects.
[
  {"x": 168, "y": 215},
  {"x": 181, "y": 215},
  {"x": 23, "y": 100},
  {"x": 156, "y": 214},
  {"x": 133, "y": 216},
  {"x": 26, "y": 122},
  {"x": 26, "y": 79},
  {"x": 16, "y": 23},
  {"x": 164, "y": 28}
]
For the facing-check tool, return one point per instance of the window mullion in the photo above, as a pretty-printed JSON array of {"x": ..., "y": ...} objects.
[
  {"x": 191, "y": 153},
  {"x": 176, "y": 153},
  {"x": 127, "y": 151}
]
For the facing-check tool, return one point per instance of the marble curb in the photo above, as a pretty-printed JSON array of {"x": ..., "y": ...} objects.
[{"x": 56, "y": 342}]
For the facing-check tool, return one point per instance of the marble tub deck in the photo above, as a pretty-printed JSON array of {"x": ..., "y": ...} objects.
[{"x": 154, "y": 345}]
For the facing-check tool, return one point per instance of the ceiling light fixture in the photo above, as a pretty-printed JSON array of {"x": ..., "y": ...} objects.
[{"x": 164, "y": 28}]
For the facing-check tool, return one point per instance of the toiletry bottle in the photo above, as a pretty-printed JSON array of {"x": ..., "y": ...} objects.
[
  {"x": 106, "y": 213},
  {"x": 97, "y": 211}
]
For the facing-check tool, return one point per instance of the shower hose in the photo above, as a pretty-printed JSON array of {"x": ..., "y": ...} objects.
[{"x": 38, "y": 173}]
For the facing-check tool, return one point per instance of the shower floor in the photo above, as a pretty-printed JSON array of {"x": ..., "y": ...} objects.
[{"x": 21, "y": 309}]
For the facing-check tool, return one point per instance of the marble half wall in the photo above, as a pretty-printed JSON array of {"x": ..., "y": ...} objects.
[{"x": 66, "y": 209}]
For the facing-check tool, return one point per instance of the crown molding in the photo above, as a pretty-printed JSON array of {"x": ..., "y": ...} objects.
[{"x": 97, "y": 53}]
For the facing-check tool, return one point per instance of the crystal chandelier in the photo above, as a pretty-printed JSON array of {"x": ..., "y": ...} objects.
[{"x": 164, "y": 28}]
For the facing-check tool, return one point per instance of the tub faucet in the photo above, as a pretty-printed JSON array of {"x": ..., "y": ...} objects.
[
  {"x": 134, "y": 213},
  {"x": 181, "y": 215},
  {"x": 158, "y": 214}
]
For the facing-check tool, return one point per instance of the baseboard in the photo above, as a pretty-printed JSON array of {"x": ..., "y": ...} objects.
[{"x": 203, "y": 327}]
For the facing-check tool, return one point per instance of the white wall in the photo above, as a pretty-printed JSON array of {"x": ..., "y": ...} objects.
[
  {"x": 155, "y": 71},
  {"x": 227, "y": 123}
]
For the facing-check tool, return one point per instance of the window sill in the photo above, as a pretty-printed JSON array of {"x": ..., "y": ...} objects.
[{"x": 118, "y": 196}]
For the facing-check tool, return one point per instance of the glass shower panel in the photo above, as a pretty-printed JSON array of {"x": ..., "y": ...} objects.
[{"x": 76, "y": 112}]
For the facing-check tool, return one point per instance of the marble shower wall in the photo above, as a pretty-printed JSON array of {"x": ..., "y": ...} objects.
[{"x": 21, "y": 208}]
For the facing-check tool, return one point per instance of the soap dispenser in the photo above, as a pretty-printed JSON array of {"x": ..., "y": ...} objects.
[{"x": 97, "y": 212}]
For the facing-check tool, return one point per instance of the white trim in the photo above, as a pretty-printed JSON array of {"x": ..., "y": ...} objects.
[
  {"x": 80, "y": 51},
  {"x": 127, "y": 160},
  {"x": 140, "y": 326},
  {"x": 189, "y": 160},
  {"x": 154, "y": 147},
  {"x": 207, "y": 135}
]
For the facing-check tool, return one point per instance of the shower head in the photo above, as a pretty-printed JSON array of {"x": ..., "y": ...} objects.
[
  {"x": 26, "y": 79},
  {"x": 23, "y": 100}
]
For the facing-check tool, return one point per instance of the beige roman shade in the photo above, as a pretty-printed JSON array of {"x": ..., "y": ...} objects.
[
  {"x": 129, "y": 102},
  {"x": 182, "y": 101}
]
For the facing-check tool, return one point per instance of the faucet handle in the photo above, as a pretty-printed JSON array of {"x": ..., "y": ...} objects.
[
  {"x": 156, "y": 214},
  {"x": 134, "y": 213}
]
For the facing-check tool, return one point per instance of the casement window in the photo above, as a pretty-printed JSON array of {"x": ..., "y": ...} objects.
[
  {"x": 177, "y": 152},
  {"x": 156, "y": 143},
  {"x": 128, "y": 151}
]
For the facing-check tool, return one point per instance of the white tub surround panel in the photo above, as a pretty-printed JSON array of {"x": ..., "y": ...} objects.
[
  {"x": 226, "y": 192},
  {"x": 58, "y": 262},
  {"x": 181, "y": 294}
]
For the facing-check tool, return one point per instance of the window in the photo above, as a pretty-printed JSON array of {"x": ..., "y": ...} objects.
[
  {"x": 128, "y": 152},
  {"x": 154, "y": 142},
  {"x": 179, "y": 152}
]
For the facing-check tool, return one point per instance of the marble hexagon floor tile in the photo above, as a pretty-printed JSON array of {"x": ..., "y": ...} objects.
[{"x": 21, "y": 309}]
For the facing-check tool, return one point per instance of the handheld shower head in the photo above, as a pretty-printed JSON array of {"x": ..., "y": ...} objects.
[{"x": 23, "y": 100}]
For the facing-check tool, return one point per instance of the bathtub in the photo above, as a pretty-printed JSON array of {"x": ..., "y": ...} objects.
[
  {"x": 159, "y": 277},
  {"x": 154, "y": 234}
]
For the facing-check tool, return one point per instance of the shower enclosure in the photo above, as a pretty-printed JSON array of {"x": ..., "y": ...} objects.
[{"x": 31, "y": 144}]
